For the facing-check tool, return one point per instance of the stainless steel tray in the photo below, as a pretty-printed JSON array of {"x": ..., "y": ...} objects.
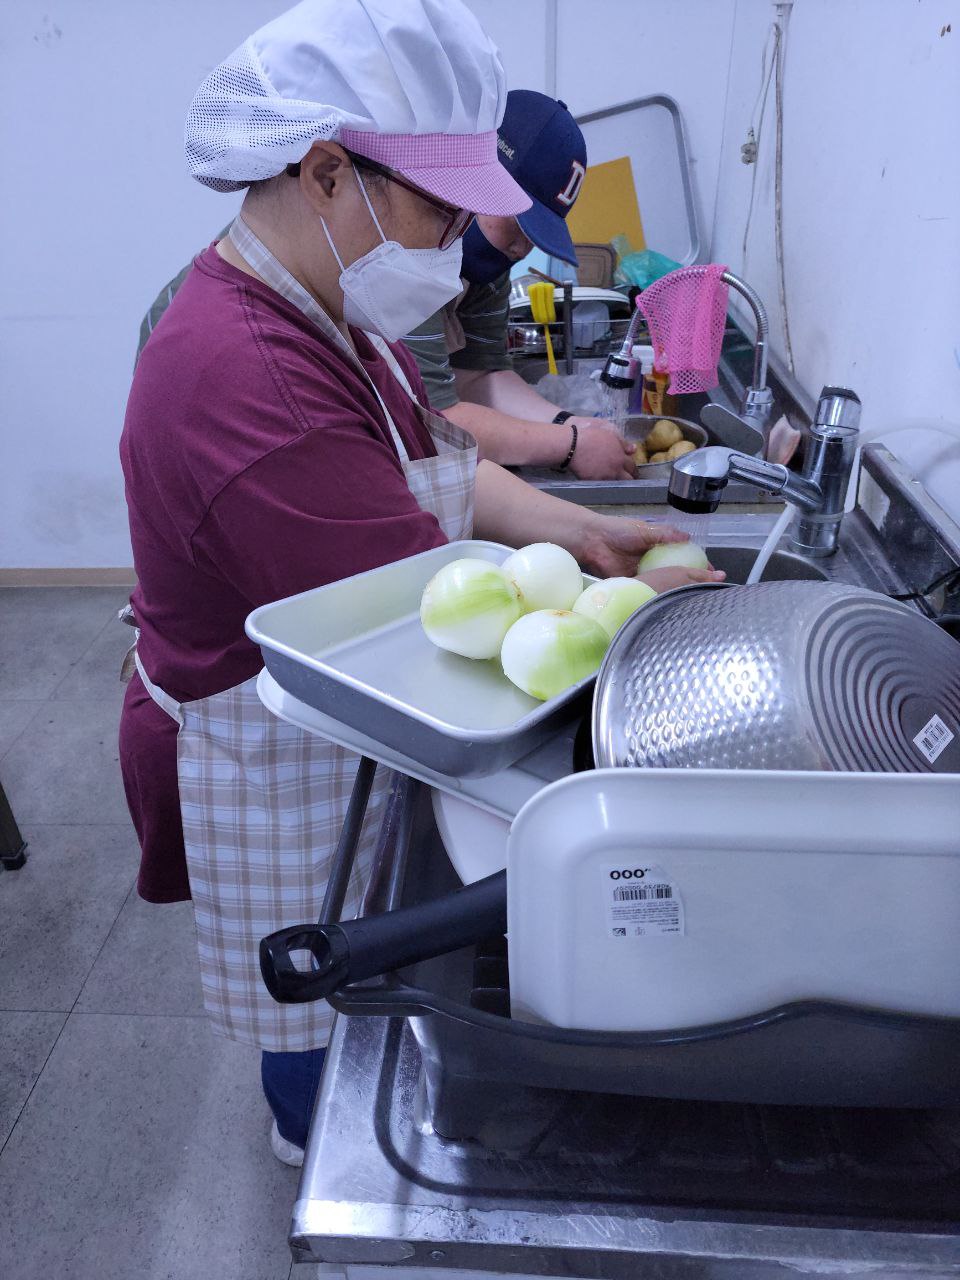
[{"x": 355, "y": 650}]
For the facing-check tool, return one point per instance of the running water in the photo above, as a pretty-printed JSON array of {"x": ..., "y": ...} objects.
[
  {"x": 696, "y": 527},
  {"x": 768, "y": 548},
  {"x": 613, "y": 405}
]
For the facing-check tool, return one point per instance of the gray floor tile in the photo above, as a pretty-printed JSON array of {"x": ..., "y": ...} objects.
[
  {"x": 148, "y": 963},
  {"x": 58, "y": 909},
  {"x": 14, "y": 718},
  {"x": 25, "y": 1041},
  {"x": 47, "y": 629},
  {"x": 65, "y": 766},
  {"x": 143, "y": 1152},
  {"x": 97, "y": 673}
]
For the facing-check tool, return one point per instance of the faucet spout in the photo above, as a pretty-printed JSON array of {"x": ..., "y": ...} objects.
[
  {"x": 698, "y": 479},
  {"x": 755, "y": 303},
  {"x": 620, "y": 369}
]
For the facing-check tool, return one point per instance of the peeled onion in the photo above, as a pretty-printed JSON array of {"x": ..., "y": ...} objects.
[
  {"x": 612, "y": 601},
  {"x": 546, "y": 576},
  {"x": 551, "y": 649},
  {"x": 468, "y": 608},
  {"x": 686, "y": 555}
]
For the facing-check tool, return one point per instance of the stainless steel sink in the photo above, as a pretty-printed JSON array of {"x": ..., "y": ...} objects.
[{"x": 736, "y": 562}]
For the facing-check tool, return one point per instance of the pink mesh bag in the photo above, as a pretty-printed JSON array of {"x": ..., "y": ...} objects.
[{"x": 686, "y": 312}]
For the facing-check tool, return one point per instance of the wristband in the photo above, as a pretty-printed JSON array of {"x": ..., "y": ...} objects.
[
  {"x": 573, "y": 447},
  {"x": 561, "y": 417}
]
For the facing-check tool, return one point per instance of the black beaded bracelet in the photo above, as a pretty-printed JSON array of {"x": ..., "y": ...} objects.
[
  {"x": 561, "y": 417},
  {"x": 573, "y": 448}
]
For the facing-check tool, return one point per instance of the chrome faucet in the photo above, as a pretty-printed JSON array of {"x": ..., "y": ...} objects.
[
  {"x": 620, "y": 369},
  {"x": 750, "y": 428},
  {"x": 698, "y": 479}
]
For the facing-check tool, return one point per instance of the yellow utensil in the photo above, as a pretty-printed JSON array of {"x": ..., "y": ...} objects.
[{"x": 545, "y": 313}]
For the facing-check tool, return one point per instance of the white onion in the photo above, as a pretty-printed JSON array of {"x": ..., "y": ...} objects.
[
  {"x": 551, "y": 649},
  {"x": 546, "y": 576},
  {"x": 685, "y": 555},
  {"x": 468, "y": 607},
  {"x": 612, "y": 601}
]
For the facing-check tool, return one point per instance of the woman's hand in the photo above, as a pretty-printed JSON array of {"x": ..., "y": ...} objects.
[
  {"x": 509, "y": 510},
  {"x": 613, "y": 546},
  {"x": 600, "y": 454}
]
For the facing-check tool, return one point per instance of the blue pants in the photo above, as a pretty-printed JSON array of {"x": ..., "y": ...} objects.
[{"x": 290, "y": 1083}]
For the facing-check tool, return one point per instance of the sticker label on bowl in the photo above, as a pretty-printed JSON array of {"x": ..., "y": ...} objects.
[
  {"x": 641, "y": 902},
  {"x": 933, "y": 739}
]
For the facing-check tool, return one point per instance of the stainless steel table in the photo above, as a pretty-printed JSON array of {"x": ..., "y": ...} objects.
[{"x": 589, "y": 1186}]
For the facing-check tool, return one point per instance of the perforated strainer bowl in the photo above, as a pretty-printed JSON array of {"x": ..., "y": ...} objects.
[{"x": 781, "y": 675}]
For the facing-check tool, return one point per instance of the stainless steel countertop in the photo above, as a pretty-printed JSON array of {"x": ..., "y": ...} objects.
[{"x": 610, "y": 494}]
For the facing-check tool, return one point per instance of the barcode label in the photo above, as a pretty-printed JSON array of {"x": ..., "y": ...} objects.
[
  {"x": 933, "y": 739},
  {"x": 635, "y": 894},
  {"x": 641, "y": 902}
]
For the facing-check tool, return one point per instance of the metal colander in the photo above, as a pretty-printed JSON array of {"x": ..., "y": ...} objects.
[{"x": 782, "y": 675}]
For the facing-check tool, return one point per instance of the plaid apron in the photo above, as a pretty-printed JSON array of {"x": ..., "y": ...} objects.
[{"x": 263, "y": 802}]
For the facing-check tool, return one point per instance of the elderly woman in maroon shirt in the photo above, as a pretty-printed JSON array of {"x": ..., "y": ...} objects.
[{"x": 275, "y": 441}]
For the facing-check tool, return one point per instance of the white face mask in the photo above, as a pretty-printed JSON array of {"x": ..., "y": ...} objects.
[{"x": 391, "y": 290}]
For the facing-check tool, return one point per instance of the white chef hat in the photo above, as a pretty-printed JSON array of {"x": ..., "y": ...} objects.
[{"x": 414, "y": 84}]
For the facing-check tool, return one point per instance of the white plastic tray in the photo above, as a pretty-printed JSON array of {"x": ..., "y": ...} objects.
[{"x": 784, "y": 886}]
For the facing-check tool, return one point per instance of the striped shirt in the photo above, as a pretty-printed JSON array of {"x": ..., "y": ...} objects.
[{"x": 469, "y": 333}]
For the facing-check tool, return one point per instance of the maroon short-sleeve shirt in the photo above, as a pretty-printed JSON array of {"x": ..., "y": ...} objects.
[{"x": 258, "y": 463}]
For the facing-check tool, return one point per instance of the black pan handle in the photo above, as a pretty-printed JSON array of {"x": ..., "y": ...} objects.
[{"x": 357, "y": 949}]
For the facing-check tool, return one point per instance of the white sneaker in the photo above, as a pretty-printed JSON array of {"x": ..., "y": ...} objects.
[{"x": 285, "y": 1151}]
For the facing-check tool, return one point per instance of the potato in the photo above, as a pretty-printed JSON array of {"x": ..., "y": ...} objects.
[
  {"x": 658, "y": 457},
  {"x": 680, "y": 448},
  {"x": 664, "y": 434},
  {"x": 640, "y": 456}
]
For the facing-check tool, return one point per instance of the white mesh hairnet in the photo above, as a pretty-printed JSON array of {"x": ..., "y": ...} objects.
[{"x": 383, "y": 66}]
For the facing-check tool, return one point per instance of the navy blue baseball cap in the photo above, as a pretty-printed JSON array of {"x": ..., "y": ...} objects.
[{"x": 540, "y": 145}]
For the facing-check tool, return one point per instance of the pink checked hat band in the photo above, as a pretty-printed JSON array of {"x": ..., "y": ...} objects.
[
  {"x": 403, "y": 151},
  {"x": 460, "y": 168}
]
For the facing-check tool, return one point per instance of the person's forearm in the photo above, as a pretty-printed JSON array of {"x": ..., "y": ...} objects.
[
  {"x": 506, "y": 391},
  {"x": 512, "y": 442},
  {"x": 511, "y": 511}
]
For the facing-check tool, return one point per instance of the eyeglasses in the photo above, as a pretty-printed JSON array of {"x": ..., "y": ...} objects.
[{"x": 458, "y": 220}]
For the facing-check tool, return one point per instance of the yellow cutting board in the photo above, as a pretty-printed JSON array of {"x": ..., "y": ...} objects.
[{"x": 607, "y": 206}]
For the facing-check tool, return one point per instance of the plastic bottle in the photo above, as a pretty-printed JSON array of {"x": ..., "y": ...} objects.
[
  {"x": 655, "y": 399},
  {"x": 639, "y": 400}
]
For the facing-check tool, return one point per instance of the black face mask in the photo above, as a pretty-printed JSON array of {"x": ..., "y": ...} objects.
[{"x": 482, "y": 261}]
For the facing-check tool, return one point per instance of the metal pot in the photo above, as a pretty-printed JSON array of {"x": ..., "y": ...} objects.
[
  {"x": 782, "y": 675},
  {"x": 639, "y": 425}
]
